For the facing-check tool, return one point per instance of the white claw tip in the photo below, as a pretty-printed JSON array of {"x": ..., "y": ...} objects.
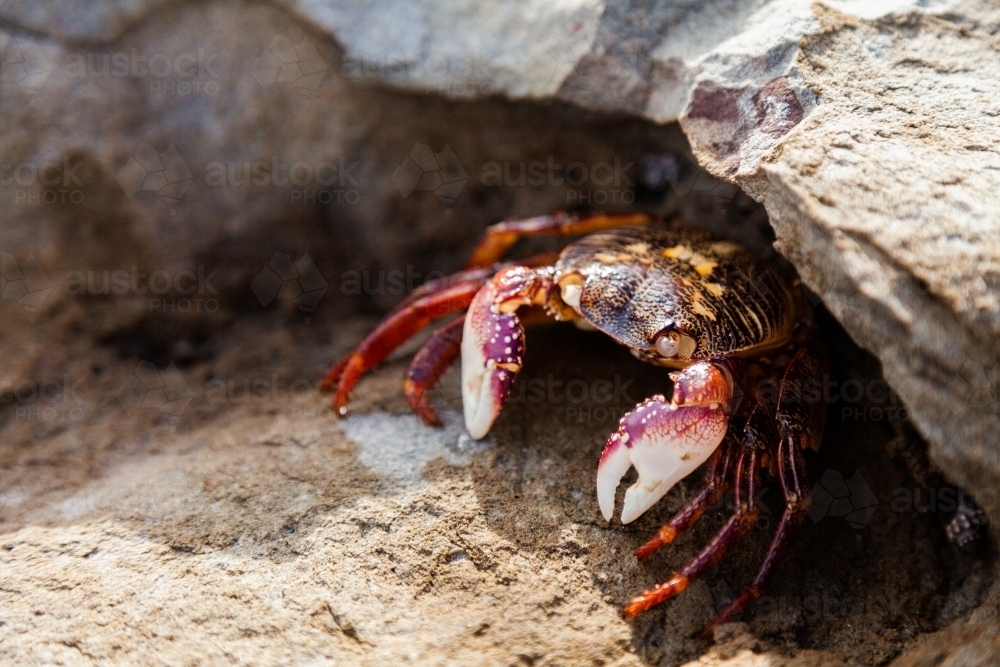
[
  {"x": 665, "y": 446},
  {"x": 615, "y": 462}
]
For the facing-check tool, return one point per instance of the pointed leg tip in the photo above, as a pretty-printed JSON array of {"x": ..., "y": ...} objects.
[
  {"x": 674, "y": 586},
  {"x": 417, "y": 398},
  {"x": 429, "y": 416},
  {"x": 662, "y": 538},
  {"x": 631, "y": 610}
]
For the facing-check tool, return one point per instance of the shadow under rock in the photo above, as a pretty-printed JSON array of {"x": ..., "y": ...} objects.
[{"x": 862, "y": 590}]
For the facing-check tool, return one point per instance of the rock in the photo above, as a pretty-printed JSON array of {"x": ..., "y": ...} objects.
[
  {"x": 249, "y": 524},
  {"x": 181, "y": 144},
  {"x": 163, "y": 445},
  {"x": 884, "y": 196}
]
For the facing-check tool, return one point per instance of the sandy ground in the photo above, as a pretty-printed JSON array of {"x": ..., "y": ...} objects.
[{"x": 230, "y": 518}]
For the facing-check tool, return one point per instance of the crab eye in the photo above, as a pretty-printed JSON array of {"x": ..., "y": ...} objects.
[
  {"x": 667, "y": 345},
  {"x": 674, "y": 344}
]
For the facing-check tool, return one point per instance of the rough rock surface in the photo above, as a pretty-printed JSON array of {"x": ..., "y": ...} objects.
[
  {"x": 770, "y": 93},
  {"x": 886, "y": 198},
  {"x": 158, "y": 448},
  {"x": 247, "y": 525}
]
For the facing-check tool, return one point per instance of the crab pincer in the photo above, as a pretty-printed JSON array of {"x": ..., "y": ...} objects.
[
  {"x": 492, "y": 354},
  {"x": 665, "y": 441}
]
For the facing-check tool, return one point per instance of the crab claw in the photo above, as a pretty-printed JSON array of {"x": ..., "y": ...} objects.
[
  {"x": 665, "y": 441},
  {"x": 492, "y": 353}
]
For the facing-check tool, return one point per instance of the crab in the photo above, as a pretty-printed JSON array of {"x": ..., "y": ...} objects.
[{"x": 735, "y": 332}]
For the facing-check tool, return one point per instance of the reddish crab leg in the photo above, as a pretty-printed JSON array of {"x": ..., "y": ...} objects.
[
  {"x": 800, "y": 425},
  {"x": 791, "y": 468},
  {"x": 429, "y": 364},
  {"x": 735, "y": 528},
  {"x": 500, "y": 237},
  {"x": 395, "y": 330},
  {"x": 477, "y": 276},
  {"x": 332, "y": 375},
  {"x": 470, "y": 279},
  {"x": 716, "y": 484}
]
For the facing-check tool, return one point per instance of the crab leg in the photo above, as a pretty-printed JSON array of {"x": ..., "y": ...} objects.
[
  {"x": 665, "y": 441},
  {"x": 800, "y": 424},
  {"x": 796, "y": 502},
  {"x": 500, "y": 237},
  {"x": 393, "y": 332},
  {"x": 735, "y": 528},
  {"x": 427, "y": 302},
  {"x": 429, "y": 364},
  {"x": 477, "y": 276},
  {"x": 716, "y": 484},
  {"x": 416, "y": 301}
]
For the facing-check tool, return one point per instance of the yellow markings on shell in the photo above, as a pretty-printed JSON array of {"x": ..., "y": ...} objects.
[
  {"x": 715, "y": 288},
  {"x": 638, "y": 248},
  {"x": 725, "y": 248},
  {"x": 703, "y": 265},
  {"x": 606, "y": 258},
  {"x": 677, "y": 252},
  {"x": 705, "y": 268},
  {"x": 699, "y": 308}
]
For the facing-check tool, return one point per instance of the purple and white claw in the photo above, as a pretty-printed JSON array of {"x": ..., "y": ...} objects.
[
  {"x": 492, "y": 354},
  {"x": 665, "y": 442}
]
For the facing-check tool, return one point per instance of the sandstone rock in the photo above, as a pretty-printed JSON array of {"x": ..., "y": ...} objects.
[
  {"x": 865, "y": 129},
  {"x": 250, "y": 525},
  {"x": 884, "y": 196}
]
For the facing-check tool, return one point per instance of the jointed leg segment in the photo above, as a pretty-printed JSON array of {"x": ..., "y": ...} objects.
[
  {"x": 772, "y": 431},
  {"x": 429, "y": 364},
  {"x": 501, "y": 237},
  {"x": 747, "y": 472}
]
